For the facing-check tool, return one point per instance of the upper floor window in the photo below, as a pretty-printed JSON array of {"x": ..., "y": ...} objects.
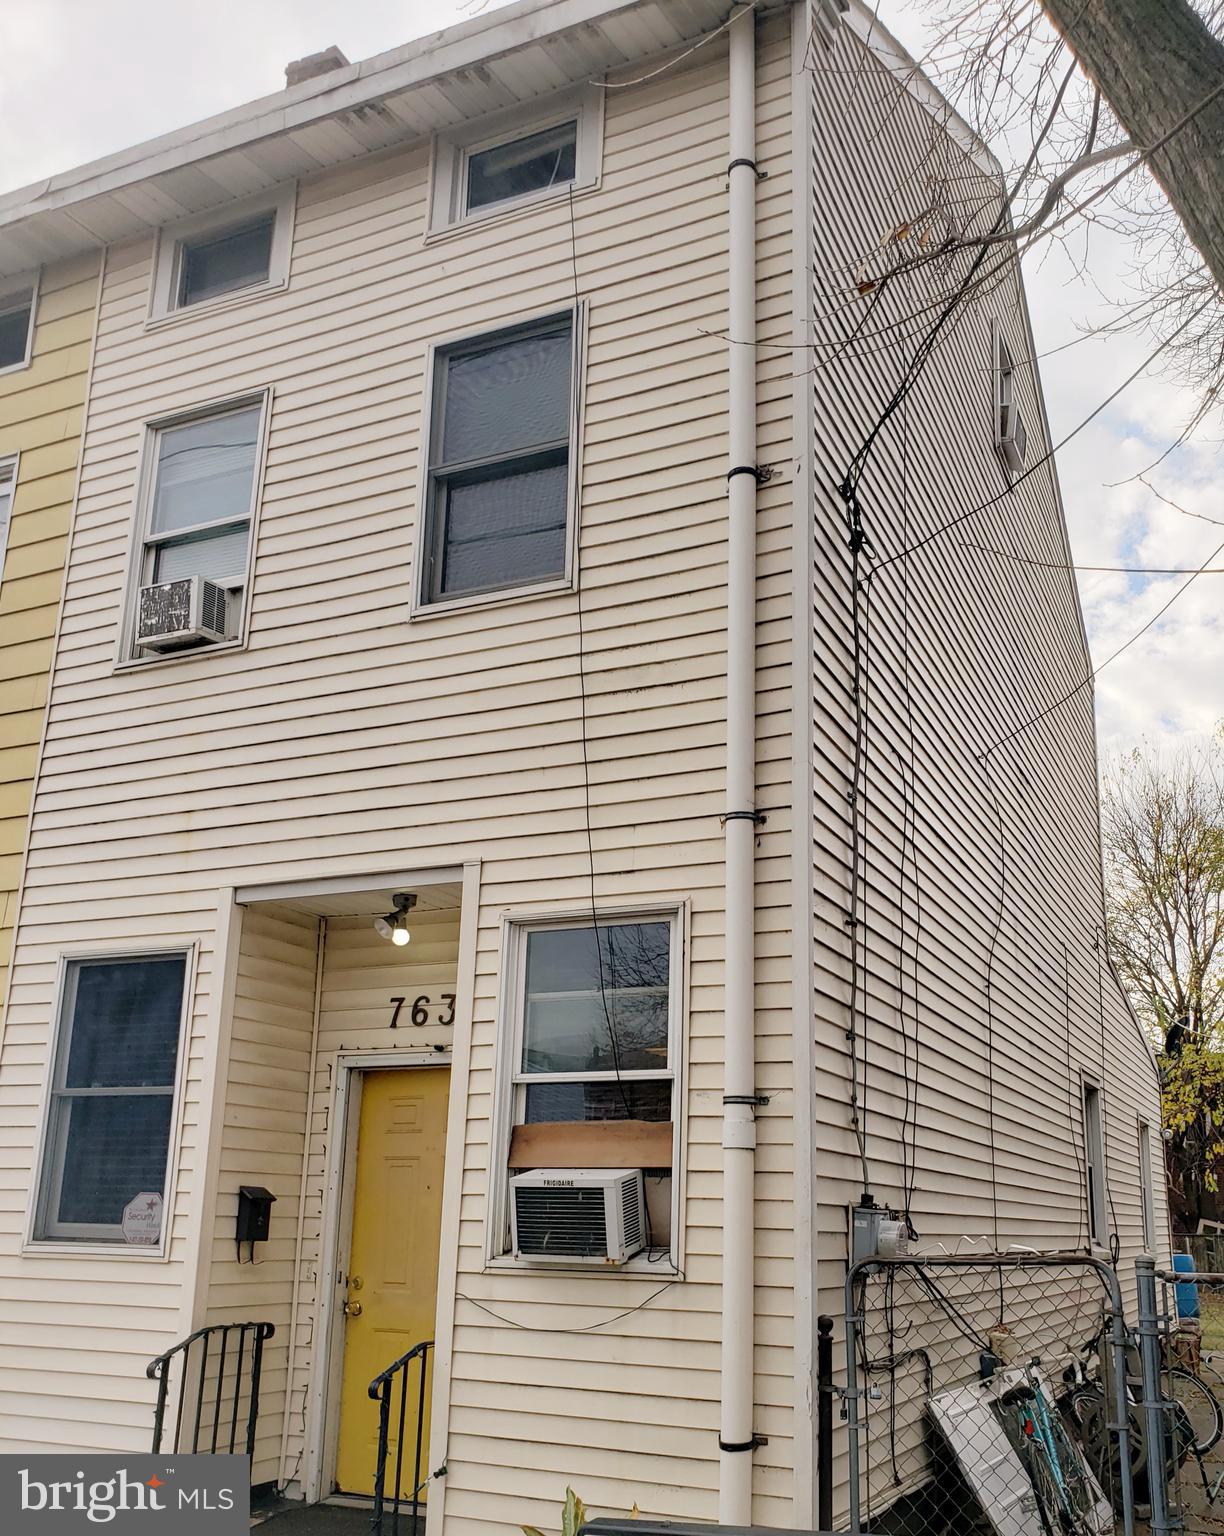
[
  {"x": 498, "y": 489},
  {"x": 1010, "y": 433},
  {"x": 228, "y": 260},
  {"x": 512, "y": 159},
  {"x": 18, "y": 301},
  {"x": 195, "y": 528},
  {"x": 8, "y": 484},
  {"x": 114, "y": 1069},
  {"x": 1147, "y": 1198},
  {"x": 1095, "y": 1173},
  {"x": 220, "y": 257}
]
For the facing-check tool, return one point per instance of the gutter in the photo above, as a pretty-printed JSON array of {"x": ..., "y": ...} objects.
[{"x": 736, "y": 1440}]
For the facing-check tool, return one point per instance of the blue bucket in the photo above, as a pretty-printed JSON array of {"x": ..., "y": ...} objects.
[{"x": 1186, "y": 1291}]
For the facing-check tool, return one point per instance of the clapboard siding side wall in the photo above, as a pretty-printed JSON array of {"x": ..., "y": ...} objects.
[
  {"x": 982, "y": 990},
  {"x": 348, "y": 740},
  {"x": 41, "y": 414}
]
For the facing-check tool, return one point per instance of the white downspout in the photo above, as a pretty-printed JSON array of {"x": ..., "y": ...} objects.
[{"x": 736, "y": 1442}]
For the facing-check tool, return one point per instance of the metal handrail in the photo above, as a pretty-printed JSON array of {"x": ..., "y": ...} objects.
[
  {"x": 160, "y": 1371},
  {"x": 380, "y": 1390}
]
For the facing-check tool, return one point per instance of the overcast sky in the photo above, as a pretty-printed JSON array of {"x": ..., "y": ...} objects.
[{"x": 85, "y": 77}]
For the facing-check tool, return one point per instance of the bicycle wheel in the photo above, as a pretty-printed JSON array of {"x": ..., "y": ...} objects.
[
  {"x": 1199, "y": 1404},
  {"x": 1100, "y": 1444}
]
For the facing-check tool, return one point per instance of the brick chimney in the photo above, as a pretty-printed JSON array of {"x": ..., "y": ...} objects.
[{"x": 314, "y": 64}]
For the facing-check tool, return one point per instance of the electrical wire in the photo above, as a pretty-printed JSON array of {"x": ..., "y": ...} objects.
[
  {"x": 996, "y": 929},
  {"x": 1045, "y": 458},
  {"x": 1095, "y": 672},
  {"x": 1077, "y": 1130},
  {"x": 1118, "y": 570},
  {"x": 621, "y": 85},
  {"x": 509, "y": 1322}
]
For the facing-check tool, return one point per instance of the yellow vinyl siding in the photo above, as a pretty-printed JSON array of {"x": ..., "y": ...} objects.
[{"x": 41, "y": 409}]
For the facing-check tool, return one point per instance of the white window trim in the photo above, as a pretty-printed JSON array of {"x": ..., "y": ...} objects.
[
  {"x": 10, "y": 468},
  {"x": 422, "y": 608},
  {"x": 167, "y": 255},
  {"x": 55, "y": 1246},
  {"x": 1147, "y": 1188},
  {"x": 506, "y": 1089},
  {"x": 125, "y": 657},
  {"x": 1096, "y": 1201},
  {"x": 10, "y": 287},
  {"x": 452, "y": 149}
]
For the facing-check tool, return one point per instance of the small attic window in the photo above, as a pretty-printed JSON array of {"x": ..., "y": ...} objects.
[
  {"x": 534, "y": 163},
  {"x": 1010, "y": 433},
  {"x": 17, "y": 305},
  {"x": 223, "y": 257},
  {"x": 221, "y": 263},
  {"x": 512, "y": 160}
]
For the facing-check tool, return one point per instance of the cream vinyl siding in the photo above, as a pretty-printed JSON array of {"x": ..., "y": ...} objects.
[
  {"x": 989, "y": 643},
  {"x": 347, "y": 739}
]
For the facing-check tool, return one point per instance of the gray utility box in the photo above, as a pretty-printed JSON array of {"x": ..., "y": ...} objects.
[{"x": 626, "y": 1527}]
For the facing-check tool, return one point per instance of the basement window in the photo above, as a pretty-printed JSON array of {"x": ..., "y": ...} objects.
[
  {"x": 499, "y": 487},
  {"x": 115, "y": 1068},
  {"x": 220, "y": 258},
  {"x": 18, "y": 301},
  {"x": 593, "y": 1074},
  {"x": 511, "y": 160}
]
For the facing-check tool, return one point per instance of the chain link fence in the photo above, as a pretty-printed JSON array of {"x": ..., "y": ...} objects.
[
  {"x": 988, "y": 1396},
  {"x": 1181, "y": 1339}
]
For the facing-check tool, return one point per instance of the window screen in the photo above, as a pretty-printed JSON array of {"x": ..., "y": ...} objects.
[
  {"x": 15, "y": 314},
  {"x": 530, "y": 164},
  {"x": 112, "y": 1094},
  {"x": 221, "y": 263},
  {"x": 499, "y": 476},
  {"x": 199, "y": 517}
]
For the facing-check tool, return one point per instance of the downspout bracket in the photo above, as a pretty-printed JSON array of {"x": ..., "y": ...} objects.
[
  {"x": 756, "y": 817},
  {"x": 743, "y": 1445},
  {"x": 761, "y": 473}
]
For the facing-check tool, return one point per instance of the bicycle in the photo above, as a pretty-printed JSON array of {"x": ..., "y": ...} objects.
[{"x": 1067, "y": 1501}]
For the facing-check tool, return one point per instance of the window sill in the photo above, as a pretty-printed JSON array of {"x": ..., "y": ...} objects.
[
  {"x": 15, "y": 367},
  {"x": 139, "y": 663},
  {"x": 552, "y": 198},
  {"x": 222, "y": 305},
  {"x": 637, "y": 1267},
  {"x": 54, "y": 1248},
  {"x": 490, "y": 599}
]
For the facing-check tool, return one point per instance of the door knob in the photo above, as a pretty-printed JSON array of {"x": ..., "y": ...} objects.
[{"x": 352, "y": 1309}]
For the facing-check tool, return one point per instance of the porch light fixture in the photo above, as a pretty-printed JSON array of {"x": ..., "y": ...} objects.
[{"x": 395, "y": 925}]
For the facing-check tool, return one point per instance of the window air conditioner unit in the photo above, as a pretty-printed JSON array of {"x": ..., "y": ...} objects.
[
  {"x": 578, "y": 1215},
  {"x": 1013, "y": 439},
  {"x": 177, "y": 613}
]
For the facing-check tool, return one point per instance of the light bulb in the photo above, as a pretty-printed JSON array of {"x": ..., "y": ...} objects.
[
  {"x": 400, "y": 936},
  {"x": 383, "y": 928}
]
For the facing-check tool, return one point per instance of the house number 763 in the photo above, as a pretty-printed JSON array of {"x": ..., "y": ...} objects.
[{"x": 419, "y": 1014}]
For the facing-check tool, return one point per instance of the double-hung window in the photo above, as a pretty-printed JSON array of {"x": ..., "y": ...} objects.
[
  {"x": 17, "y": 305},
  {"x": 8, "y": 484},
  {"x": 115, "y": 1066},
  {"x": 198, "y": 506},
  {"x": 1094, "y": 1164},
  {"x": 1147, "y": 1200},
  {"x": 499, "y": 482},
  {"x": 596, "y": 1039}
]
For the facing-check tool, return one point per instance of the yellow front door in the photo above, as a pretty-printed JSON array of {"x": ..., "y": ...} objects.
[{"x": 393, "y": 1266}]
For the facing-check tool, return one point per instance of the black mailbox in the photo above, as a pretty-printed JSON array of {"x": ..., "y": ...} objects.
[{"x": 254, "y": 1213}]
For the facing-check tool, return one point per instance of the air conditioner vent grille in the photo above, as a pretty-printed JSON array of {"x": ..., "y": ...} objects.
[{"x": 553, "y": 1222}]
